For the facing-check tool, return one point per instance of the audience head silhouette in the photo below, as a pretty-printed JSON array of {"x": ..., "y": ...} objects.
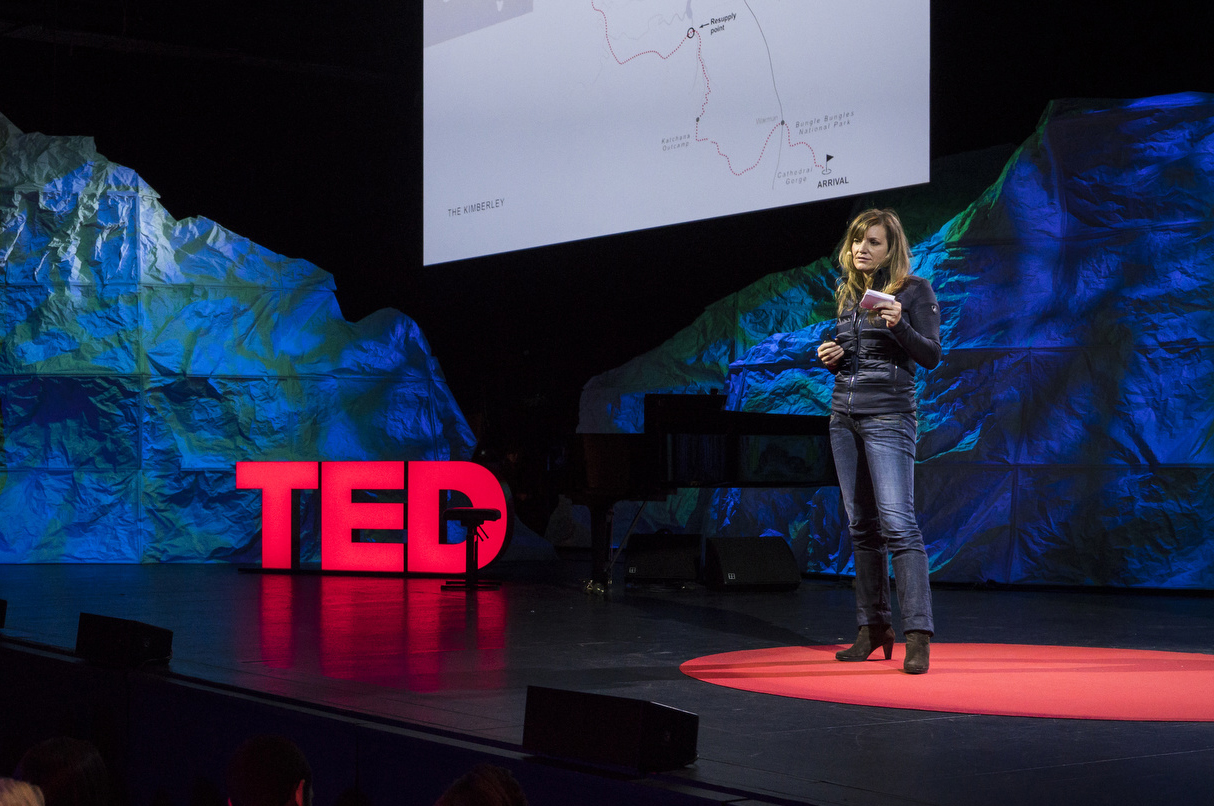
[
  {"x": 269, "y": 771},
  {"x": 70, "y": 772},
  {"x": 484, "y": 785}
]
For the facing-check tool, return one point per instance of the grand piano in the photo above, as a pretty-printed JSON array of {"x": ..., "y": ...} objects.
[{"x": 692, "y": 441}]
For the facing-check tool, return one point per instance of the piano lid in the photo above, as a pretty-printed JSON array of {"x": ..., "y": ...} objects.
[
  {"x": 706, "y": 414},
  {"x": 691, "y": 441},
  {"x": 700, "y": 444}
]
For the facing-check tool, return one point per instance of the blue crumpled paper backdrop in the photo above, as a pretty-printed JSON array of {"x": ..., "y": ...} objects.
[
  {"x": 1068, "y": 435},
  {"x": 140, "y": 357}
]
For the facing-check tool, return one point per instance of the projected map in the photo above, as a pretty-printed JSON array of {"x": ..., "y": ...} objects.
[{"x": 556, "y": 120}]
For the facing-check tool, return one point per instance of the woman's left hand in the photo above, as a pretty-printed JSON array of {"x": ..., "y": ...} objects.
[{"x": 891, "y": 312}]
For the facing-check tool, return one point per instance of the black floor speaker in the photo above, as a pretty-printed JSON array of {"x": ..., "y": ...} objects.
[
  {"x": 119, "y": 642},
  {"x": 3, "y": 611},
  {"x": 663, "y": 557},
  {"x": 760, "y": 563},
  {"x": 604, "y": 731}
]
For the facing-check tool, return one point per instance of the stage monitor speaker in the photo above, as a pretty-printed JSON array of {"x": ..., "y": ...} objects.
[
  {"x": 119, "y": 642},
  {"x": 604, "y": 731},
  {"x": 3, "y": 611},
  {"x": 663, "y": 557},
  {"x": 760, "y": 563}
]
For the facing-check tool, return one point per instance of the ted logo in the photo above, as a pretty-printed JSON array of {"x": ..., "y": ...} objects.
[{"x": 339, "y": 515}]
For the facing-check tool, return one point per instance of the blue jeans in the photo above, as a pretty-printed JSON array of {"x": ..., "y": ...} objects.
[{"x": 875, "y": 459}]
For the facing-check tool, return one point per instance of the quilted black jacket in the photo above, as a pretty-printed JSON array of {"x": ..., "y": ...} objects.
[{"x": 877, "y": 372}]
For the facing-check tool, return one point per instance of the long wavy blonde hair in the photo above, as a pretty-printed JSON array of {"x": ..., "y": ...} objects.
[
  {"x": 19, "y": 793},
  {"x": 853, "y": 282}
]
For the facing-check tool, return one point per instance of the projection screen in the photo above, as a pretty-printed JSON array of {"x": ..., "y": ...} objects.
[{"x": 548, "y": 121}]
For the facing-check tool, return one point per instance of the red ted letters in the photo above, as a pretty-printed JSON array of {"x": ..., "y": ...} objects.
[{"x": 339, "y": 515}]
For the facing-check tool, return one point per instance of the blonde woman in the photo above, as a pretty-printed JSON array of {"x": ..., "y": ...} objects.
[{"x": 878, "y": 344}]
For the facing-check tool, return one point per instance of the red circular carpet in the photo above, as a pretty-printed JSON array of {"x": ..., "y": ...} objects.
[{"x": 1005, "y": 679}]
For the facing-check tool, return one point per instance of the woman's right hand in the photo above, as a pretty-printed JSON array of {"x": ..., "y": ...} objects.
[{"x": 829, "y": 353}]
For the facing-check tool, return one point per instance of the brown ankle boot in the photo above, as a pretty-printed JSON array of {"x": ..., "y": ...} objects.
[
  {"x": 918, "y": 652},
  {"x": 870, "y": 637}
]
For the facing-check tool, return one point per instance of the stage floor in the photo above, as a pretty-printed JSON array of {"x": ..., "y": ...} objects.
[{"x": 404, "y": 650}]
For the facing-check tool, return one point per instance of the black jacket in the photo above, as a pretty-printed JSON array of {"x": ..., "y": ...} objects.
[{"x": 877, "y": 372}]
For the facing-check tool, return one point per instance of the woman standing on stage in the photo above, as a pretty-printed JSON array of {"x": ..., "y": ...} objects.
[{"x": 873, "y": 427}]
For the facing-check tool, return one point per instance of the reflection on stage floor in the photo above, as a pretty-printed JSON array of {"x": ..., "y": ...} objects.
[{"x": 405, "y": 652}]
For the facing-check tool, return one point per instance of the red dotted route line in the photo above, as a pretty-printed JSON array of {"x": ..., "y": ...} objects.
[
  {"x": 791, "y": 144},
  {"x": 707, "y": 91}
]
